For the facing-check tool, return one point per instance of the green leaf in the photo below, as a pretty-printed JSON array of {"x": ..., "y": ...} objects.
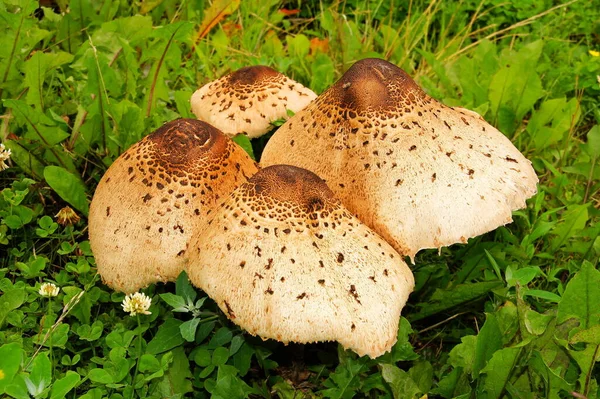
[
  {"x": 229, "y": 385},
  {"x": 9, "y": 301},
  {"x": 184, "y": 288},
  {"x": 489, "y": 340},
  {"x": 581, "y": 297},
  {"x": 68, "y": 186},
  {"x": 220, "y": 356},
  {"x": 590, "y": 335},
  {"x": 448, "y": 298},
  {"x": 571, "y": 222},
  {"x": 403, "y": 386},
  {"x": 222, "y": 337},
  {"x": 36, "y": 68},
  {"x": 11, "y": 356},
  {"x": 25, "y": 159},
  {"x": 149, "y": 363},
  {"x": 177, "y": 378},
  {"x": 498, "y": 371},
  {"x": 422, "y": 374},
  {"x": 202, "y": 357},
  {"x": 100, "y": 376},
  {"x": 592, "y": 147},
  {"x": 244, "y": 142},
  {"x": 41, "y": 372},
  {"x": 175, "y": 301},
  {"x": 188, "y": 329},
  {"x": 62, "y": 386},
  {"x": 167, "y": 337}
]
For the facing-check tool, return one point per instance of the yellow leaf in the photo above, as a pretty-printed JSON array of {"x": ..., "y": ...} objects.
[
  {"x": 214, "y": 14},
  {"x": 594, "y": 53}
]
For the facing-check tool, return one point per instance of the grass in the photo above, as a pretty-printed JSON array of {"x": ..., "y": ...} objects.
[{"x": 511, "y": 314}]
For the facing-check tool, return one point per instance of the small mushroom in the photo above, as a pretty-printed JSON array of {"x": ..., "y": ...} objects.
[
  {"x": 285, "y": 260},
  {"x": 248, "y": 100},
  {"x": 155, "y": 195},
  {"x": 421, "y": 174}
]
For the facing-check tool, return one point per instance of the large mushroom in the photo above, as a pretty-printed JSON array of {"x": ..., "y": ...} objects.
[
  {"x": 248, "y": 100},
  {"x": 285, "y": 260},
  {"x": 155, "y": 195},
  {"x": 421, "y": 174}
]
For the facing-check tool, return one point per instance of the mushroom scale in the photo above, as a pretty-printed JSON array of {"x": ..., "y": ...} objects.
[
  {"x": 155, "y": 195},
  {"x": 248, "y": 100},
  {"x": 285, "y": 260},
  {"x": 421, "y": 174}
]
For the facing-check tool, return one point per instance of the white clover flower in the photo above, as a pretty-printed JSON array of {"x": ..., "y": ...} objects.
[
  {"x": 48, "y": 290},
  {"x": 4, "y": 156},
  {"x": 137, "y": 303}
]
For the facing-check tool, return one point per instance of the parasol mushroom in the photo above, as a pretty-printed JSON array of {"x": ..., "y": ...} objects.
[
  {"x": 248, "y": 100},
  {"x": 421, "y": 174},
  {"x": 155, "y": 195},
  {"x": 285, "y": 260}
]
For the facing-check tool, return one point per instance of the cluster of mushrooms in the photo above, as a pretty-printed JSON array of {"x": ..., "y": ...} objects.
[{"x": 309, "y": 245}]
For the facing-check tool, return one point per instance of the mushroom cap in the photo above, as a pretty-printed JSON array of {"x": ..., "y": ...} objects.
[
  {"x": 248, "y": 100},
  {"x": 285, "y": 260},
  {"x": 421, "y": 174},
  {"x": 155, "y": 195}
]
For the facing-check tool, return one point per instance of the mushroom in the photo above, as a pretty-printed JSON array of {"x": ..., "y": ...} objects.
[
  {"x": 285, "y": 260},
  {"x": 248, "y": 100},
  {"x": 155, "y": 195},
  {"x": 421, "y": 174}
]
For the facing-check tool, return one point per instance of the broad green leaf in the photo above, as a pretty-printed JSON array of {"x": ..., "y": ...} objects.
[
  {"x": 229, "y": 385},
  {"x": 244, "y": 142},
  {"x": 188, "y": 329},
  {"x": 177, "y": 378},
  {"x": 403, "y": 386},
  {"x": 203, "y": 357},
  {"x": 184, "y": 288},
  {"x": 9, "y": 301},
  {"x": 222, "y": 337},
  {"x": 220, "y": 356},
  {"x": 149, "y": 363},
  {"x": 498, "y": 371},
  {"x": 68, "y": 186},
  {"x": 581, "y": 297},
  {"x": 25, "y": 159},
  {"x": 344, "y": 381},
  {"x": 100, "y": 376},
  {"x": 489, "y": 340},
  {"x": 175, "y": 301},
  {"x": 463, "y": 354},
  {"x": 592, "y": 147},
  {"x": 422, "y": 374},
  {"x": 590, "y": 335},
  {"x": 39, "y": 126},
  {"x": 553, "y": 381},
  {"x": 11, "y": 356},
  {"x": 62, "y": 386},
  {"x": 571, "y": 222},
  {"x": 167, "y": 337},
  {"x": 36, "y": 68},
  {"x": 40, "y": 376}
]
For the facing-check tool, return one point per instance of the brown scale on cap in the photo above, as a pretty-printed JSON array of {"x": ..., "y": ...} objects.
[
  {"x": 248, "y": 100},
  {"x": 421, "y": 174},
  {"x": 155, "y": 195},
  {"x": 285, "y": 260}
]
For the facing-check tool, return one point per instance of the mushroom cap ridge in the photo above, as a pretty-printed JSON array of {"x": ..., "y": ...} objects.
[
  {"x": 246, "y": 101},
  {"x": 421, "y": 174},
  {"x": 155, "y": 195},
  {"x": 285, "y": 260}
]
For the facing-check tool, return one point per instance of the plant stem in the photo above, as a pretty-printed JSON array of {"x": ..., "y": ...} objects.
[
  {"x": 49, "y": 315},
  {"x": 139, "y": 354}
]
